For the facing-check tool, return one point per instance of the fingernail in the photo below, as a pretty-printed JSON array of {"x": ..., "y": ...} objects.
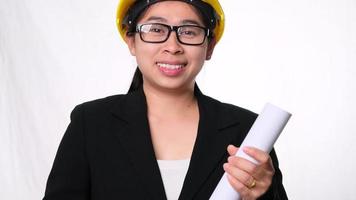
[{"x": 225, "y": 166}]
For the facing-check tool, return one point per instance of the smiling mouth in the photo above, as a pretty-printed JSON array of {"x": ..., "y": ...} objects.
[
  {"x": 171, "y": 70},
  {"x": 170, "y": 66}
]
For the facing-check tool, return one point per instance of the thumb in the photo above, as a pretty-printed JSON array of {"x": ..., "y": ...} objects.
[{"x": 232, "y": 149}]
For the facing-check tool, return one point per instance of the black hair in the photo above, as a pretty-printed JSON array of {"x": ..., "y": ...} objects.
[
  {"x": 137, "y": 81},
  {"x": 207, "y": 12}
]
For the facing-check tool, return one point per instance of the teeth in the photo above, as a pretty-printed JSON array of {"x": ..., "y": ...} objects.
[{"x": 168, "y": 66}]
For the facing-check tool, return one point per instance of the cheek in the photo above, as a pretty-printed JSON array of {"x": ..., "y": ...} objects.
[
  {"x": 145, "y": 53},
  {"x": 198, "y": 55},
  {"x": 145, "y": 59}
]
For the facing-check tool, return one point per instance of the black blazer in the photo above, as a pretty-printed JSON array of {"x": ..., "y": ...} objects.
[{"x": 107, "y": 153}]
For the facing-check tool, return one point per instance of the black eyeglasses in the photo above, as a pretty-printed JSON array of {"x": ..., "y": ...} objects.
[{"x": 159, "y": 33}]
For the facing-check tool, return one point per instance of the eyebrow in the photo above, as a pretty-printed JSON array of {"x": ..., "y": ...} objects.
[
  {"x": 161, "y": 19},
  {"x": 190, "y": 21},
  {"x": 155, "y": 18}
]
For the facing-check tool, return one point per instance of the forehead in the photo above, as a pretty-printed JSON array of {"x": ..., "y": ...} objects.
[{"x": 172, "y": 12}]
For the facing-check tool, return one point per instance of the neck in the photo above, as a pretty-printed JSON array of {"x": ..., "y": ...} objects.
[{"x": 169, "y": 102}]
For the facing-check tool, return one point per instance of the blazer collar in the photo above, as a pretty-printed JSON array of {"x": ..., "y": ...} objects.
[
  {"x": 134, "y": 104},
  {"x": 209, "y": 148}
]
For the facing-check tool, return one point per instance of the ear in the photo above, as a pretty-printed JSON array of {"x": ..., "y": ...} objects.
[
  {"x": 211, "y": 46},
  {"x": 130, "y": 41}
]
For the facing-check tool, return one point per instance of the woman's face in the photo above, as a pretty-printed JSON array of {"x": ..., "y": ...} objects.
[{"x": 170, "y": 65}]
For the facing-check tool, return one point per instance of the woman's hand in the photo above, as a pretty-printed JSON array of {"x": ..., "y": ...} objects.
[{"x": 248, "y": 179}]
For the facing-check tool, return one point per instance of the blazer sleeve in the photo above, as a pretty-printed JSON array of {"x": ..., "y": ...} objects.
[
  {"x": 276, "y": 190},
  {"x": 69, "y": 177}
]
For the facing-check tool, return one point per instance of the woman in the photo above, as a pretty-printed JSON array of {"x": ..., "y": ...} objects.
[{"x": 164, "y": 139}]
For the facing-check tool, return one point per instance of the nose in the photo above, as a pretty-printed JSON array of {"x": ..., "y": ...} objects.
[{"x": 172, "y": 44}]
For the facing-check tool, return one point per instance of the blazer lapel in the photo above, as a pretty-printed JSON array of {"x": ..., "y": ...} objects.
[
  {"x": 210, "y": 145},
  {"x": 215, "y": 132},
  {"x": 136, "y": 139}
]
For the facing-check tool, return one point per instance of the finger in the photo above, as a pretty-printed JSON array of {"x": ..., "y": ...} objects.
[
  {"x": 254, "y": 172},
  {"x": 265, "y": 171},
  {"x": 259, "y": 155},
  {"x": 232, "y": 150},
  {"x": 243, "y": 164},
  {"x": 240, "y": 175},
  {"x": 238, "y": 186},
  {"x": 245, "y": 192}
]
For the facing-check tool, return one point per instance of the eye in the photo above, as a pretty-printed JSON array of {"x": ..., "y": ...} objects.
[
  {"x": 153, "y": 29},
  {"x": 188, "y": 33},
  {"x": 156, "y": 30}
]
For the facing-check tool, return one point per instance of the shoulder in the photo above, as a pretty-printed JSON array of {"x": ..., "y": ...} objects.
[
  {"x": 224, "y": 109},
  {"x": 230, "y": 112},
  {"x": 97, "y": 107},
  {"x": 230, "y": 108}
]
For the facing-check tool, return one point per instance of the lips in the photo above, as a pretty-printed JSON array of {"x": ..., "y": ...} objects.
[{"x": 171, "y": 68}]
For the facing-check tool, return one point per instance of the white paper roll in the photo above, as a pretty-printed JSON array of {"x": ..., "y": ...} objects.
[{"x": 262, "y": 135}]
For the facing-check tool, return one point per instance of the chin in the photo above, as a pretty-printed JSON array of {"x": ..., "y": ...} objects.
[{"x": 174, "y": 85}]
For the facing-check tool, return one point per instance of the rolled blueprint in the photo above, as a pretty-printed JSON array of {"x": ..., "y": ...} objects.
[{"x": 262, "y": 135}]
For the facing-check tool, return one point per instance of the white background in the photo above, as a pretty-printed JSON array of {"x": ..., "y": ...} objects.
[{"x": 299, "y": 55}]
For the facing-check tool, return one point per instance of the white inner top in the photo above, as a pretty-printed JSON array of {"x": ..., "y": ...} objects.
[{"x": 173, "y": 173}]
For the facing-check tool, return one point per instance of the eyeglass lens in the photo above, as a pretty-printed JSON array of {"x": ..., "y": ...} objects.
[{"x": 187, "y": 34}]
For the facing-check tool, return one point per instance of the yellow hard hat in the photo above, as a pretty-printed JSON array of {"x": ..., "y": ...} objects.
[{"x": 124, "y": 6}]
